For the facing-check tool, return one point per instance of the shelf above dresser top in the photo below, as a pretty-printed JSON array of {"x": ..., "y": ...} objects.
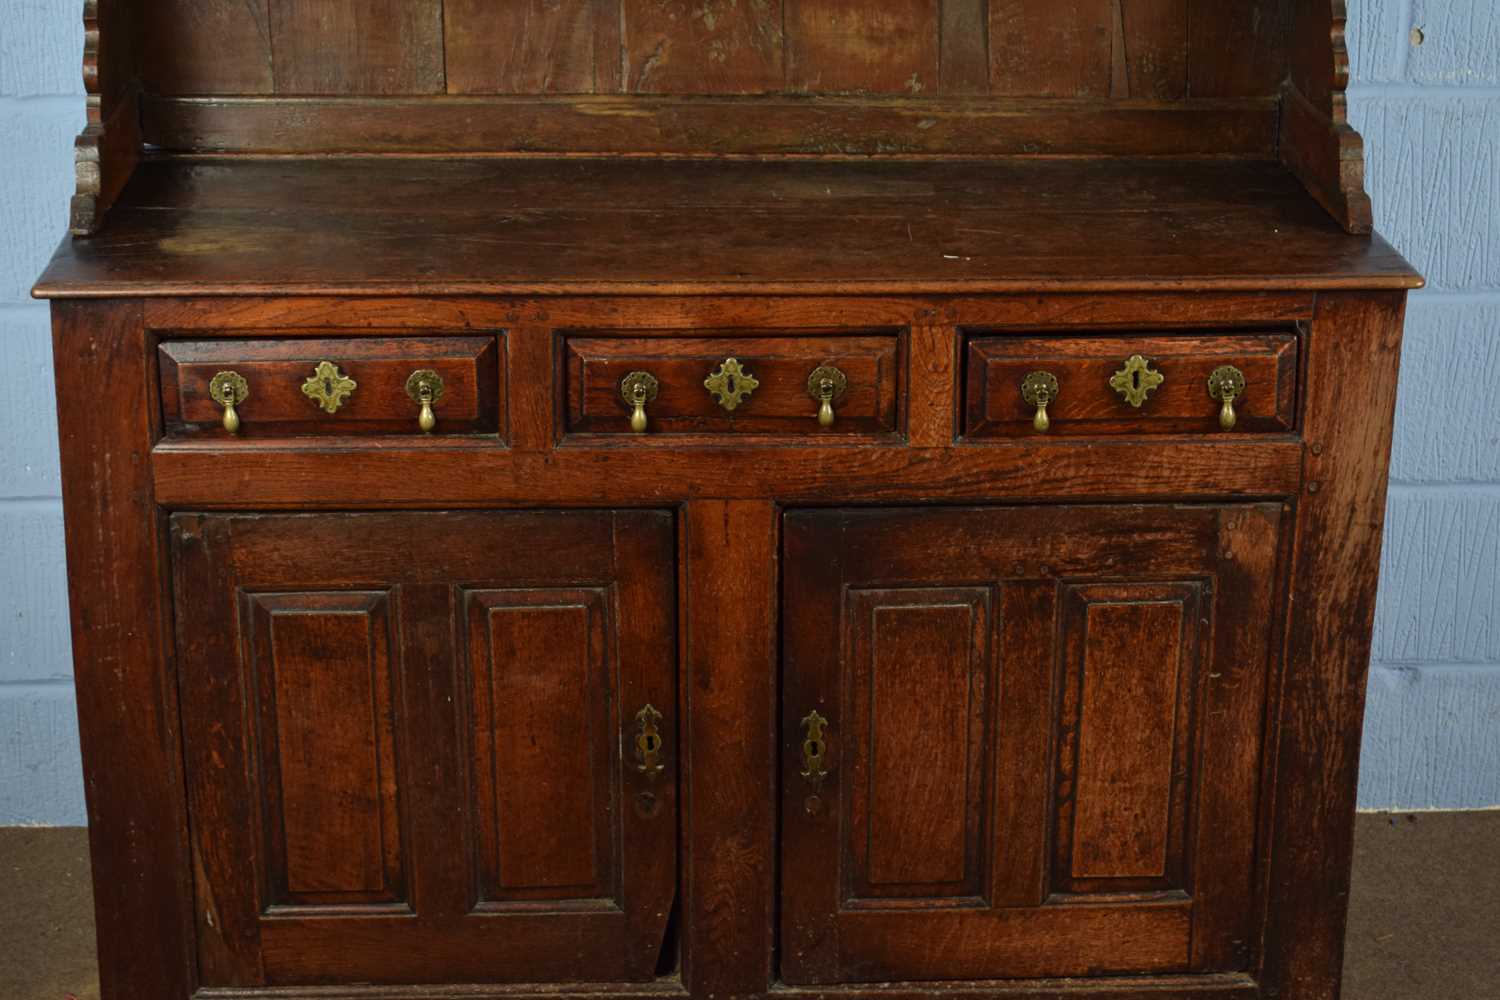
[{"x": 517, "y": 225}]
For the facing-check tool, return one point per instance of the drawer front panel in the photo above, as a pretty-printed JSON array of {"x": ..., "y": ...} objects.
[
  {"x": 1087, "y": 404},
  {"x": 779, "y": 402},
  {"x": 275, "y": 372}
]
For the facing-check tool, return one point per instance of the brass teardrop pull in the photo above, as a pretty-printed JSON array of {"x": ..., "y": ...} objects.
[
  {"x": 638, "y": 389},
  {"x": 1226, "y": 384},
  {"x": 425, "y": 387},
  {"x": 1039, "y": 389},
  {"x": 827, "y": 385},
  {"x": 229, "y": 389}
]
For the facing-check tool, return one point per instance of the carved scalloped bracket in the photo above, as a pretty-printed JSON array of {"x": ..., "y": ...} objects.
[
  {"x": 106, "y": 151},
  {"x": 1317, "y": 143}
]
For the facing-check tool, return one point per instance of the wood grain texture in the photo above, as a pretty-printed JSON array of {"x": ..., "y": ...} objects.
[
  {"x": 540, "y": 676},
  {"x": 357, "y": 46},
  {"x": 729, "y": 592},
  {"x": 207, "y": 47},
  {"x": 471, "y": 368},
  {"x": 918, "y": 703},
  {"x": 779, "y": 405},
  {"x": 1317, "y": 142},
  {"x": 1131, "y": 656},
  {"x": 936, "y": 346},
  {"x": 122, "y": 646},
  {"x": 1062, "y": 49},
  {"x": 285, "y": 475},
  {"x": 107, "y": 150},
  {"x": 964, "y": 47},
  {"x": 532, "y": 46},
  {"x": 1354, "y": 343},
  {"x": 865, "y": 46},
  {"x": 703, "y": 46},
  {"x": 1136, "y": 755},
  {"x": 478, "y": 857},
  {"x": 398, "y": 226},
  {"x": 326, "y": 676},
  {"x": 1087, "y": 404}
]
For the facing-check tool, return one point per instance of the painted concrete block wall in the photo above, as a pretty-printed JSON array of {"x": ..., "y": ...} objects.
[
  {"x": 1432, "y": 115},
  {"x": 41, "y": 110},
  {"x": 1426, "y": 96}
]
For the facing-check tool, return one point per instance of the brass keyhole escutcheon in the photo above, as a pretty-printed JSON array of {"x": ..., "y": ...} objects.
[
  {"x": 731, "y": 385},
  {"x": 1226, "y": 384},
  {"x": 425, "y": 387},
  {"x": 648, "y": 742},
  {"x": 814, "y": 748},
  {"x": 1039, "y": 389},
  {"x": 637, "y": 389},
  {"x": 329, "y": 387},
  {"x": 827, "y": 385},
  {"x": 229, "y": 390},
  {"x": 1137, "y": 380}
]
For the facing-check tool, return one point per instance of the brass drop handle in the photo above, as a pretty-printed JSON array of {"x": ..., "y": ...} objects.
[
  {"x": 814, "y": 748},
  {"x": 425, "y": 387},
  {"x": 638, "y": 389},
  {"x": 1226, "y": 384},
  {"x": 229, "y": 390},
  {"x": 827, "y": 386},
  {"x": 1039, "y": 389},
  {"x": 648, "y": 742}
]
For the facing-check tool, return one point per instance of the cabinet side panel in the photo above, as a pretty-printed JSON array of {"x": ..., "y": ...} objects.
[
  {"x": 117, "y": 590},
  {"x": 1353, "y": 353}
]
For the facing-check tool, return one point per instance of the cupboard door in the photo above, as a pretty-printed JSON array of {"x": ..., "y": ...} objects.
[
  {"x": 1023, "y": 742},
  {"x": 429, "y": 747}
]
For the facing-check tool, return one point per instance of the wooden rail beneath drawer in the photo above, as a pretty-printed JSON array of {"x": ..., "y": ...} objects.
[{"x": 481, "y": 473}]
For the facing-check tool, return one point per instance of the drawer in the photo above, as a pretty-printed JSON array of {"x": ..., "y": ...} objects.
[
  {"x": 771, "y": 375},
  {"x": 333, "y": 385},
  {"x": 1179, "y": 367}
]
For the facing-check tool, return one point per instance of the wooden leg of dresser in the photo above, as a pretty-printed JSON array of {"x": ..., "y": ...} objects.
[
  {"x": 127, "y": 700},
  {"x": 1353, "y": 347},
  {"x": 729, "y": 559}
]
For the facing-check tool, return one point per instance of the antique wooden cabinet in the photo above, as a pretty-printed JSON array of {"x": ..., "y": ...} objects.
[{"x": 638, "y": 498}]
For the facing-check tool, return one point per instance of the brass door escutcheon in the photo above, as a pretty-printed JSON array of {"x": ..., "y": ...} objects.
[
  {"x": 827, "y": 385},
  {"x": 648, "y": 741},
  {"x": 1137, "y": 380},
  {"x": 814, "y": 748},
  {"x": 425, "y": 387},
  {"x": 638, "y": 389},
  {"x": 1039, "y": 389},
  {"x": 1226, "y": 384},
  {"x": 229, "y": 390},
  {"x": 329, "y": 387},
  {"x": 731, "y": 385}
]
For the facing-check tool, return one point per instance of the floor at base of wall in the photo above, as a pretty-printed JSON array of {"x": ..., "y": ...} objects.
[{"x": 1423, "y": 918}]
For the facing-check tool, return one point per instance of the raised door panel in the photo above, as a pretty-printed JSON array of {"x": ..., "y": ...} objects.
[
  {"x": 1023, "y": 742},
  {"x": 324, "y": 701},
  {"x": 539, "y": 677},
  {"x": 404, "y": 737}
]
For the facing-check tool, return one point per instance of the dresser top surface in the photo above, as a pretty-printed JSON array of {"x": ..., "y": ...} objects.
[{"x": 510, "y": 225}]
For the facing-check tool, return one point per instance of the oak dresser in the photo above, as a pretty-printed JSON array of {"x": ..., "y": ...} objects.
[{"x": 869, "y": 499}]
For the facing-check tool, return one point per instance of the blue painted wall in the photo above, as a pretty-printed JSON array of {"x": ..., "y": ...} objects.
[{"x": 1431, "y": 112}]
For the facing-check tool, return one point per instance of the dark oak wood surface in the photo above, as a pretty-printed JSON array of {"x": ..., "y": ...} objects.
[
  {"x": 413, "y": 225},
  {"x": 364, "y": 709}
]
